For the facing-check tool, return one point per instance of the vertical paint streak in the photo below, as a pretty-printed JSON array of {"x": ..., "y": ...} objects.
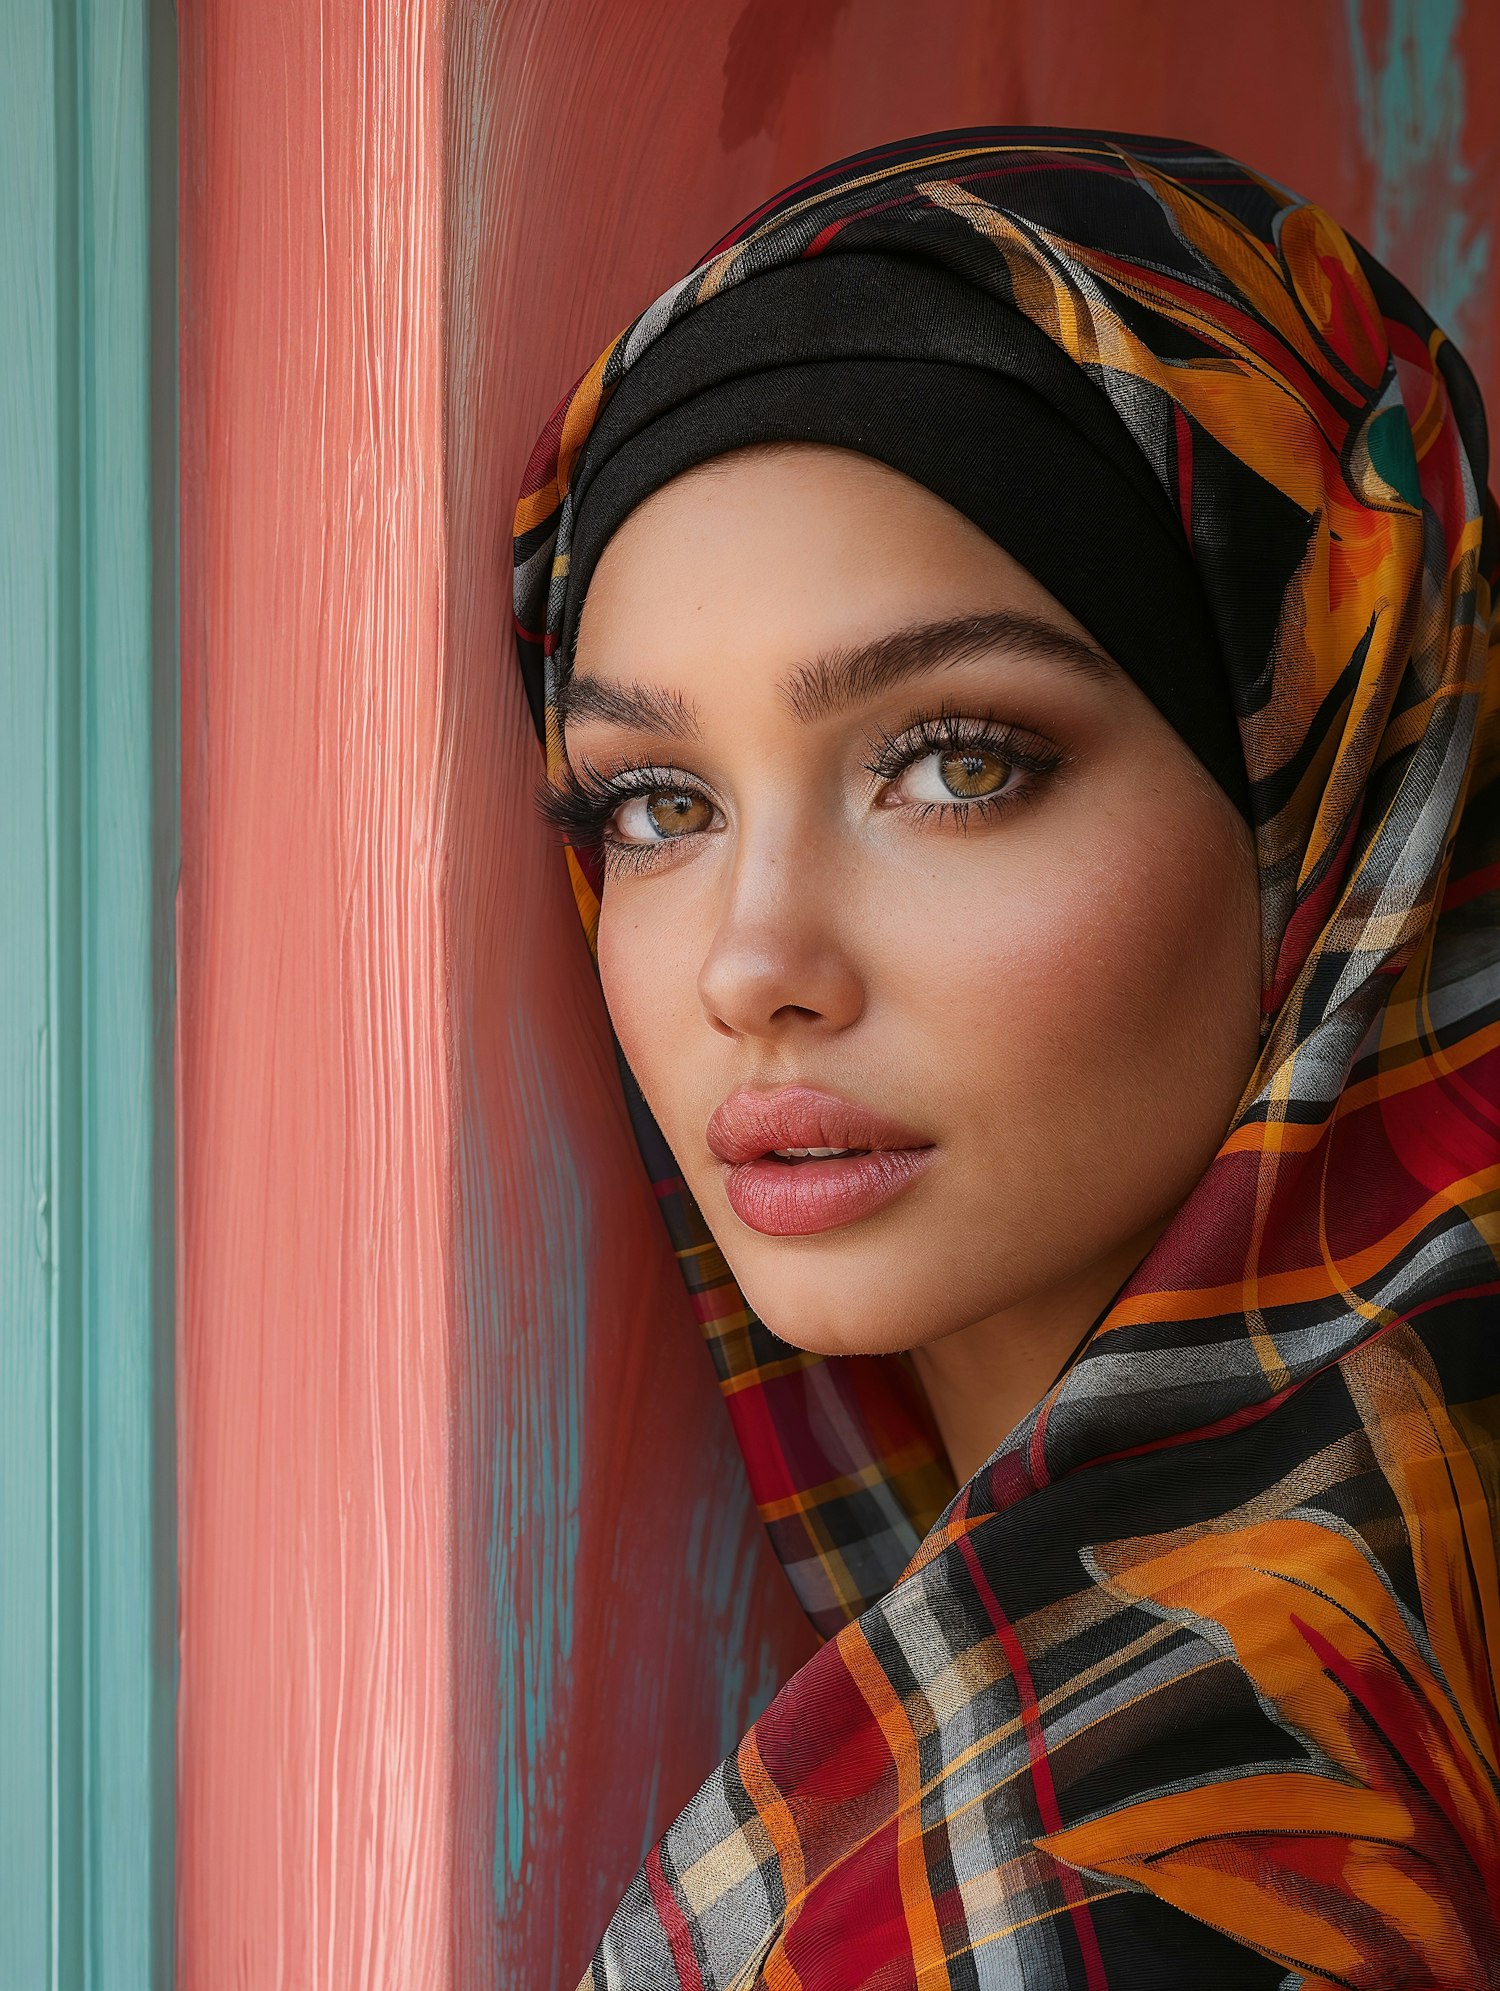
[
  {"x": 70, "y": 1472},
  {"x": 127, "y": 872},
  {"x": 31, "y": 495},
  {"x": 1430, "y": 218},
  {"x": 749, "y": 1662},
  {"x": 85, "y": 1681},
  {"x": 535, "y": 1524},
  {"x": 316, "y": 1731}
]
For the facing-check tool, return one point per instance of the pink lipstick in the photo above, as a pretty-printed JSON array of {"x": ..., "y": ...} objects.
[{"x": 777, "y": 1187}]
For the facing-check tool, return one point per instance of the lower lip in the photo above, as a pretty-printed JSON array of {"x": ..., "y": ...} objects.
[{"x": 796, "y": 1198}]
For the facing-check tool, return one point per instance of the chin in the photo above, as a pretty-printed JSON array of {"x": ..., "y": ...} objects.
[
  {"x": 862, "y": 1318},
  {"x": 860, "y": 1339}
]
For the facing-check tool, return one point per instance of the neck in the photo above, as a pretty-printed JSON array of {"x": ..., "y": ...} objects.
[{"x": 982, "y": 1380}]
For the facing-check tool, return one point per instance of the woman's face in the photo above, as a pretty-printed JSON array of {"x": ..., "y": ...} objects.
[{"x": 884, "y": 825}]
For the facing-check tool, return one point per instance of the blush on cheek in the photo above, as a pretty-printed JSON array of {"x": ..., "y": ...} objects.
[
  {"x": 1158, "y": 988},
  {"x": 1107, "y": 1021}
]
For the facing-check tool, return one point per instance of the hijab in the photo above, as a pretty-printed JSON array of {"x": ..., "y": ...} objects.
[{"x": 1196, "y": 1673}]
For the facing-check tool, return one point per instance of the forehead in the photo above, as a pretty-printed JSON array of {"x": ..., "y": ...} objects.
[
  {"x": 773, "y": 498},
  {"x": 787, "y": 552}
]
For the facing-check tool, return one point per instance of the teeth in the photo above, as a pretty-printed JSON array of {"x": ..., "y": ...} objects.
[{"x": 812, "y": 1154}]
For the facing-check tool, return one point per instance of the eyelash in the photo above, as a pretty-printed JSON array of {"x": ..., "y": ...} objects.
[{"x": 583, "y": 803}]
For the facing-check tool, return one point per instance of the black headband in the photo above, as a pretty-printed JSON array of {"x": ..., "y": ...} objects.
[{"x": 903, "y": 362}]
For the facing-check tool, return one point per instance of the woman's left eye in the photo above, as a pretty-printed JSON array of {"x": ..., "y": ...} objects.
[
  {"x": 960, "y": 766},
  {"x": 957, "y": 774}
]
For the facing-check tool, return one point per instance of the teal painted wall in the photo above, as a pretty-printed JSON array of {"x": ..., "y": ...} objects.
[
  {"x": 88, "y": 833},
  {"x": 1433, "y": 205}
]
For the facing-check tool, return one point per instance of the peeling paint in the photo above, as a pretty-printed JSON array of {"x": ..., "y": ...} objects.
[{"x": 1430, "y": 219}]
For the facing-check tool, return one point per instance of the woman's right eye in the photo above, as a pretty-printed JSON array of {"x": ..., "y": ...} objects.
[{"x": 660, "y": 814}]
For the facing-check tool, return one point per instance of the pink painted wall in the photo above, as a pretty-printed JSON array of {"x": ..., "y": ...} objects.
[
  {"x": 471, "y": 1595},
  {"x": 316, "y": 1736}
]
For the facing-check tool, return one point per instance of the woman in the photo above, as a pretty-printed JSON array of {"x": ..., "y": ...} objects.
[{"x": 1010, "y": 632}]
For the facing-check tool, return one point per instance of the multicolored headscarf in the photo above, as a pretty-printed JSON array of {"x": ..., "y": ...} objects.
[{"x": 1194, "y": 1680}]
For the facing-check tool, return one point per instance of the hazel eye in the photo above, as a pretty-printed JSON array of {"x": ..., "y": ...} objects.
[
  {"x": 661, "y": 814},
  {"x": 958, "y": 774}
]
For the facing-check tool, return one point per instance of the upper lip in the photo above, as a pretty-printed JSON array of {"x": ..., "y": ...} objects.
[{"x": 751, "y": 1123}]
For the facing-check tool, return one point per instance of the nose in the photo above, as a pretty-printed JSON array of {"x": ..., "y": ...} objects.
[{"x": 778, "y": 962}]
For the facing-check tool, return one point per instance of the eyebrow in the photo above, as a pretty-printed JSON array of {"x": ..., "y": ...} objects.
[{"x": 837, "y": 679}]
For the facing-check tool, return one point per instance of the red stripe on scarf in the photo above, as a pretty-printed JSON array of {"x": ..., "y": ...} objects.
[
  {"x": 1184, "y": 472},
  {"x": 1041, "y": 1767},
  {"x": 1486, "y": 879},
  {"x": 674, "y": 1924}
]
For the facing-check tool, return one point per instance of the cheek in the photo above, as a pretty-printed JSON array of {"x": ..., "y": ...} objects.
[
  {"x": 1175, "y": 936},
  {"x": 1106, "y": 1011},
  {"x": 648, "y": 969}
]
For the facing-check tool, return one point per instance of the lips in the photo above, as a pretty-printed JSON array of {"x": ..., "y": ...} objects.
[{"x": 791, "y": 1198}]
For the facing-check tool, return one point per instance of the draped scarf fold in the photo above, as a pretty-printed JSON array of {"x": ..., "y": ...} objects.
[{"x": 1197, "y": 1673}]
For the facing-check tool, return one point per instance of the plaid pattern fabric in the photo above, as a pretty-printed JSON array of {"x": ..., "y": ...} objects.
[{"x": 1196, "y": 1674}]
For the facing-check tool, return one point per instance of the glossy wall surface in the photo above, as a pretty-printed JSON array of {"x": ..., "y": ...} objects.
[{"x": 472, "y": 1598}]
